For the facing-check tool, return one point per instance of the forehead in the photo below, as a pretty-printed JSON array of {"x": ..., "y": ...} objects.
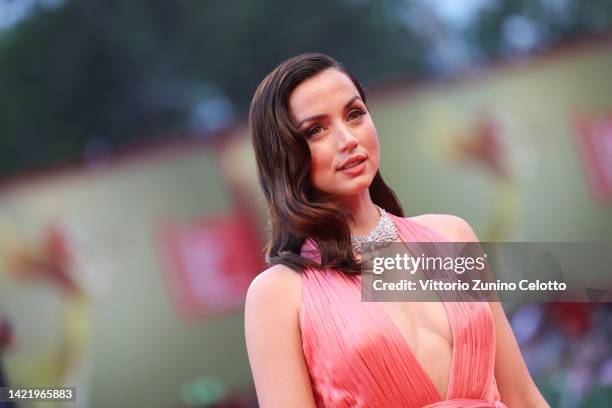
[{"x": 325, "y": 92}]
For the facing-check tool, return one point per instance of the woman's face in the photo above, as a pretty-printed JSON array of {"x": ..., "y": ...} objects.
[{"x": 343, "y": 142}]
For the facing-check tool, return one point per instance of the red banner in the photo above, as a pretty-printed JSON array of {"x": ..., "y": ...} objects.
[
  {"x": 595, "y": 139},
  {"x": 210, "y": 263}
]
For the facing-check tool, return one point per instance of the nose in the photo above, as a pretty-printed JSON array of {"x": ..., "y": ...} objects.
[{"x": 346, "y": 140}]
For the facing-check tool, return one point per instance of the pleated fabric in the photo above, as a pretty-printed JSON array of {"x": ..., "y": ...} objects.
[{"x": 357, "y": 357}]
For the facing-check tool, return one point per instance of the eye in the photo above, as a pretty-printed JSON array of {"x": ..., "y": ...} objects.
[
  {"x": 314, "y": 130},
  {"x": 355, "y": 114}
]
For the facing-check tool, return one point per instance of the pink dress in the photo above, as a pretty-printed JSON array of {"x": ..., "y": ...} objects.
[{"x": 357, "y": 357}]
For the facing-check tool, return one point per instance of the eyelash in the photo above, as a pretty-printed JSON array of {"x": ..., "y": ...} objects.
[
  {"x": 360, "y": 113},
  {"x": 356, "y": 110}
]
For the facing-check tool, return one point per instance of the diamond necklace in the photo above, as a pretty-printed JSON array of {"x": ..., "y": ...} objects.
[{"x": 380, "y": 237}]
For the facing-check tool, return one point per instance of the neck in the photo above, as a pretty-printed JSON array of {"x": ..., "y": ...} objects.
[{"x": 365, "y": 214}]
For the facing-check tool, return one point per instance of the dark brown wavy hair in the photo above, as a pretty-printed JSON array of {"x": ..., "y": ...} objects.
[{"x": 297, "y": 210}]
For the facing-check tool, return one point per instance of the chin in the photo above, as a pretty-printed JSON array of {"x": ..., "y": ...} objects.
[
  {"x": 356, "y": 187},
  {"x": 346, "y": 187}
]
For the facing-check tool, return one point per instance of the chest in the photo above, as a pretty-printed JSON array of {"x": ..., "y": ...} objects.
[{"x": 424, "y": 326}]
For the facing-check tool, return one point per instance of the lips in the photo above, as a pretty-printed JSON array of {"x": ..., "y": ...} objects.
[{"x": 352, "y": 161}]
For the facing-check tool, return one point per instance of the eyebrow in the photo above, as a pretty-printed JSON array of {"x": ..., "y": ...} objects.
[{"x": 320, "y": 116}]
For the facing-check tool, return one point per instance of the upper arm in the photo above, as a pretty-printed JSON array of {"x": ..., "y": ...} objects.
[
  {"x": 274, "y": 342},
  {"x": 514, "y": 382}
]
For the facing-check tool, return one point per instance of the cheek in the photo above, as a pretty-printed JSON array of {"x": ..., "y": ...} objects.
[
  {"x": 321, "y": 161},
  {"x": 370, "y": 141}
]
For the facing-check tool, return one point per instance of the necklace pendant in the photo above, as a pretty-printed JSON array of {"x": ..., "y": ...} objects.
[{"x": 381, "y": 236}]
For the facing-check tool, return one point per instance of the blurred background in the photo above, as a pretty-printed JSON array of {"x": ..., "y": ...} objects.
[{"x": 131, "y": 221}]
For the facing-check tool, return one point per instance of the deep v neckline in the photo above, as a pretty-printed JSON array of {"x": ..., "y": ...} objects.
[
  {"x": 407, "y": 348},
  {"x": 405, "y": 345}
]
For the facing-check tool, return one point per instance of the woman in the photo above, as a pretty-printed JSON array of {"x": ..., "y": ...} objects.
[{"x": 310, "y": 340}]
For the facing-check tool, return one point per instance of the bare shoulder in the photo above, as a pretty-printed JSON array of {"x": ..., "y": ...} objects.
[
  {"x": 276, "y": 286},
  {"x": 278, "y": 283},
  {"x": 450, "y": 226}
]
